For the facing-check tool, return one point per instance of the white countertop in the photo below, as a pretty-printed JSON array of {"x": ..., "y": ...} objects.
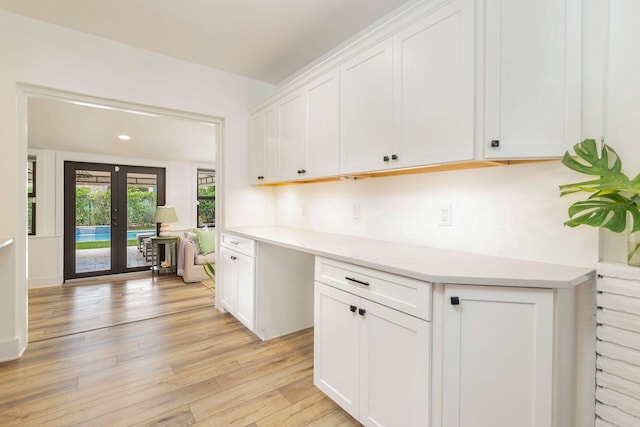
[
  {"x": 5, "y": 242},
  {"x": 423, "y": 263}
]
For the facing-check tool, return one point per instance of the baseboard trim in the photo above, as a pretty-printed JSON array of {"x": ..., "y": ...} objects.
[
  {"x": 45, "y": 282},
  {"x": 10, "y": 350}
]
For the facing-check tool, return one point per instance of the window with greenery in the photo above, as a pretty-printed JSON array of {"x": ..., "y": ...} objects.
[
  {"x": 206, "y": 198},
  {"x": 31, "y": 196}
]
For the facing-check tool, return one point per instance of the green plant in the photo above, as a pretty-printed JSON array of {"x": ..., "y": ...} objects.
[
  {"x": 210, "y": 271},
  {"x": 614, "y": 197}
]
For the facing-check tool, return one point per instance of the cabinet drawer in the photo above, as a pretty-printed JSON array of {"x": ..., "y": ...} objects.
[
  {"x": 237, "y": 243},
  {"x": 401, "y": 293}
]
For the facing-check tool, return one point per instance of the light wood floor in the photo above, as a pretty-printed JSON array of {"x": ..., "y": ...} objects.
[
  {"x": 63, "y": 310},
  {"x": 186, "y": 364}
]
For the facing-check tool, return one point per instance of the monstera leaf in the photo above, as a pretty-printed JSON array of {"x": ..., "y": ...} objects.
[
  {"x": 604, "y": 163},
  {"x": 607, "y": 210},
  {"x": 613, "y": 194}
]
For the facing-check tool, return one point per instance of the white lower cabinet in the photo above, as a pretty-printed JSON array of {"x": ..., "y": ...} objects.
[
  {"x": 238, "y": 283},
  {"x": 498, "y": 357},
  {"x": 266, "y": 287},
  {"x": 502, "y": 349},
  {"x": 370, "y": 359}
]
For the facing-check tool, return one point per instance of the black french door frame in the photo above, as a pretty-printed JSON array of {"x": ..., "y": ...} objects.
[{"x": 118, "y": 224}]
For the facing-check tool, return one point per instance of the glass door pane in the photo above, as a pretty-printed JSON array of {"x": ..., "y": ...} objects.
[
  {"x": 142, "y": 196},
  {"x": 92, "y": 221}
]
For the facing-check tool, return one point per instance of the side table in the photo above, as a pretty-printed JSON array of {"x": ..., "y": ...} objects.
[{"x": 170, "y": 252}]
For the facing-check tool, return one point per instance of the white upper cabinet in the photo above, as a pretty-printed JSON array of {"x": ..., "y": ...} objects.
[
  {"x": 433, "y": 87},
  {"x": 263, "y": 146},
  {"x": 532, "y": 77},
  {"x": 256, "y": 148},
  {"x": 323, "y": 126},
  {"x": 298, "y": 137},
  {"x": 409, "y": 101},
  {"x": 366, "y": 108},
  {"x": 292, "y": 152},
  {"x": 446, "y": 81}
]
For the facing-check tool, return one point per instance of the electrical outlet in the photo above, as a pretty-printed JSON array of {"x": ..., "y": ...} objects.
[{"x": 445, "y": 215}]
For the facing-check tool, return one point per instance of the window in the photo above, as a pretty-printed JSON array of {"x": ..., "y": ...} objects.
[
  {"x": 31, "y": 196},
  {"x": 206, "y": 198}
]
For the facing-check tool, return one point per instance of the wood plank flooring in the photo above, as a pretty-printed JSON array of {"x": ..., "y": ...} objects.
[
  {"x": 83, "y": 306},
  {"x": 192, "y": 366}
]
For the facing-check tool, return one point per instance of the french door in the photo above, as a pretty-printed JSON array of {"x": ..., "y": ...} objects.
[{"x": 108, "y": 217}]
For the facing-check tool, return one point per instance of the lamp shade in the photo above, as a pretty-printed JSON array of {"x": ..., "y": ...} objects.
[{"x": 165, "y": 214}]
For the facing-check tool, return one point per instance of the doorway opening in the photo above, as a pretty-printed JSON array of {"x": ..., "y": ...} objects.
[{"x": 108, "y": 217}]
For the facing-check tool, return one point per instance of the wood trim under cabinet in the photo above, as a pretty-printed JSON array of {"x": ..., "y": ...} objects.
[{"x": 476, "y": 164}]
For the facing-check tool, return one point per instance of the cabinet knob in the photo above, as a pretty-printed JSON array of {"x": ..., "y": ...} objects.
[
  {"x": 495, "y": 143},
  {"x": 361, "y": 311},
  {"x": 299, "y": 171},
  {"x": 353, "y": 308},
  {"x": 303, "y": 171},
  {"x": 385, "y": 158},
  {"x": 234, "y": 257},
  {"x": 394, "y": 157},
  {"x": 455, "y": 301}
]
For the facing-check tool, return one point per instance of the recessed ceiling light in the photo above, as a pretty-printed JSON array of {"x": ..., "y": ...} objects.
[{"x": 124, "y": 137}]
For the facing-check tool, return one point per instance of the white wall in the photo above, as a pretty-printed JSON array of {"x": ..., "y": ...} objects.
[
  {"x": 46, "y": 55},
  {"x": 513, "y": 211}
]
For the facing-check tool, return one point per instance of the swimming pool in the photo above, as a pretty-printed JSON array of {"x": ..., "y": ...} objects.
[{"x": 102, "y": 236}]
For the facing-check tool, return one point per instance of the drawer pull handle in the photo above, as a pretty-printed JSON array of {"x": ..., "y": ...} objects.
[
  {"x": 361, "y": 311},
  {"x": 234, "y": 257},
  {"x": 353, "y": 279},
  {"x": 353, "y": 308},
  {"x": 233, "y": 242},
  {"x": 455, "y": 301}
]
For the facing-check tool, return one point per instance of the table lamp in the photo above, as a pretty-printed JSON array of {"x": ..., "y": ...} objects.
[{"x": 164, "y": 215}]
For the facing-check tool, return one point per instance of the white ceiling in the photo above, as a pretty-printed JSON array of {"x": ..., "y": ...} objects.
[
  {"x": 264, "y": 39},
  {"x": 61, "y": 125}
]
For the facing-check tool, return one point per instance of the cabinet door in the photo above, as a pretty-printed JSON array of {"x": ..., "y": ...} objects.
[
  {"x": 271, "y": 145},
  {"x": 366, "y": 111},
  {"x": 228, "y": 280},
  {"x": 292, "y": 153},
  {"x": 336, "y": 346},
  {"x": 395, "y": 367},
  {"x": 256, "y": 148},
  {"x": 533, "y": 77},
  {"x": 434, "y": 87},
  {"x": 323, "y": 126},
  {"x": 245, "y": 285},
  {"x": 497, "y": 357},
  {"x": 263, "y": 146}
]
